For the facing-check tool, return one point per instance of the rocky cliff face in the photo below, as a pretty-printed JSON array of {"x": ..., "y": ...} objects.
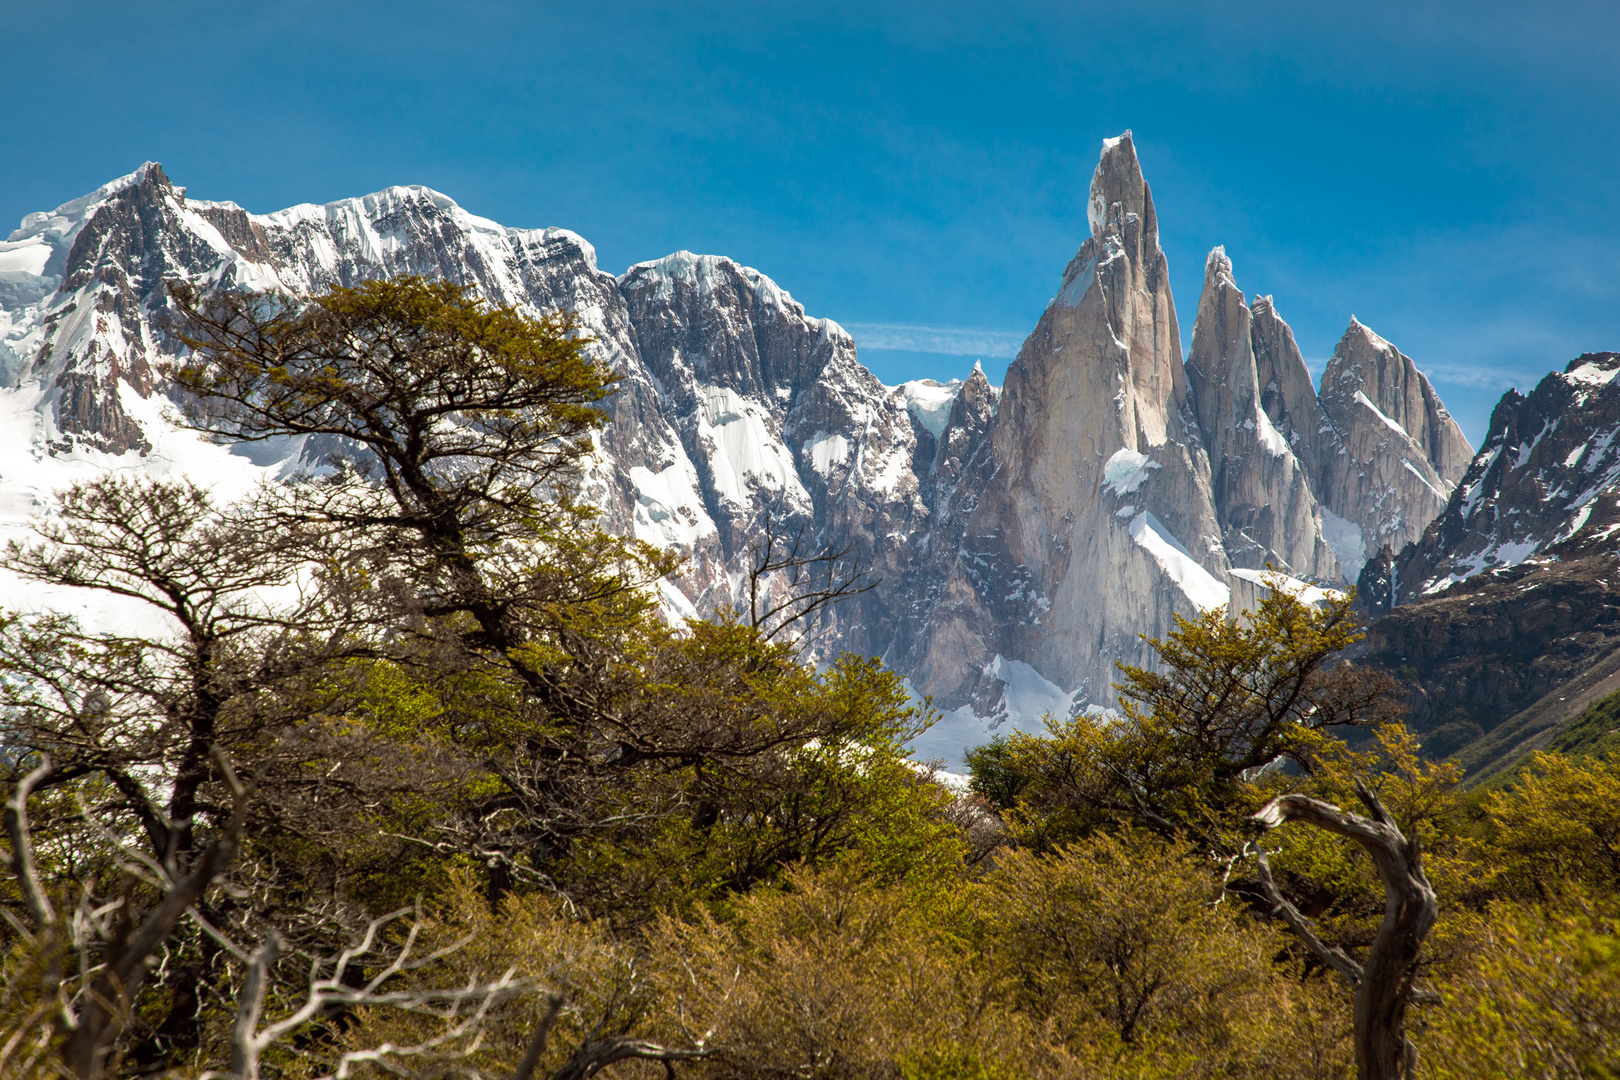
[
  {"x": 1310, "y": 484},
  {"x": 1096, "y": 522},
  {"x": 733, "y": 404},
  {"x": 1389, "y": 454},
  {"x": 1024, "y": 536},
  {"x": 1546, "y": 478},
  {"x": 1241, "y": 362},
  {"x": 1511, "y": 593},
  {"x": 779, "y": 418}
]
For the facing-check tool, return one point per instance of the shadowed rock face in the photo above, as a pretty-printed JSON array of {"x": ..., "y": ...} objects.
[
  {"x": 1512, "y": 592},
  {"x": 1546, "y": 477},
  {"x": 1390, "y": 453},
  {"x": 1104, "y": 490},
  {"x": 731, "y": 401},
  {"x": 777, "y": 415}
]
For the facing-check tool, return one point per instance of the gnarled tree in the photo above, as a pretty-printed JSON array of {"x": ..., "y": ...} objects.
[{"x": 1383, "y": 983}]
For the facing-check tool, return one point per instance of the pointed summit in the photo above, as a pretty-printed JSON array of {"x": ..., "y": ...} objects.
[
  {"x": 1269, "y": 514},
  {"x": 1118, "y": 192},
  {"x": 1390, "y": 453},
  {"x": 1095, "y": 524}
]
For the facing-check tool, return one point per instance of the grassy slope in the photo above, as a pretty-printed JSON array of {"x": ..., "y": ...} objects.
[{"x": 1579, "y": 719}]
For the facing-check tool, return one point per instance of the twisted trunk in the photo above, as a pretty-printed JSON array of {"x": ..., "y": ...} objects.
[{"x": 1383, "y": 985}]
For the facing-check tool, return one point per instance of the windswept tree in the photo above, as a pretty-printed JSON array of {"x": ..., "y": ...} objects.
[
  {"x": 458, "y": 433},
  {"x": 126, "y": 740},
  {"x": 419, "y": 653}
]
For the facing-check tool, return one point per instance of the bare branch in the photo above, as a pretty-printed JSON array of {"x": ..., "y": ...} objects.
[
  {"x": 250, "y": 1040},
  {"x": 21, "y": 860},
  {"x": 244, "y": 1050},
  {"x": 790, "y": 581},
  {"x": 542, "y": 1033},
  {"x": 1331, "y": 955}
]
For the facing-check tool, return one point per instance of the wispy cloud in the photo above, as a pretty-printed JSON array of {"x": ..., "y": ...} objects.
[{"x": 947, "y": 340}]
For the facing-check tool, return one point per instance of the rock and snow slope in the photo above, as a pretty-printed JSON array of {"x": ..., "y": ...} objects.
[
  {"x": 1546, "y": 484},
  {"x": 1096, "y": 522},
  {"x": 1261, "y": 473},
  {"x": 1510, "y": 600},
  {"x": 1023, "y": 538},
  {"x": 1120, "y": 488}
]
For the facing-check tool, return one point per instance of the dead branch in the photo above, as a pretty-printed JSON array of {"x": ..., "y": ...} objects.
[
  {"x": 112, "y": 940},
  {"x": 1383, "y": 985},
  {"x": 597, "y": 1054},
  {"x": 21, "y": 859},
  {"x": 791, "y": 582},
  {"x": 462, "y": 1009}
]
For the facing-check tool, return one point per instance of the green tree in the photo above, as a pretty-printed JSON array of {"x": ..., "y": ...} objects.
[
  {"x": 461, "y": 429},
  {"x": 1558, "y": 825},
  {"x": 1229, "y": 700}
]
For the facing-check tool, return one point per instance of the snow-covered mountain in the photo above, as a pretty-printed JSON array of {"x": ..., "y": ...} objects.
[
  {"x": 1545, "y": 485},
  {"x": 1503, "y": 619},
  {"x": 1117, "y": 487},
  {"x": 1023, "y": 537}
]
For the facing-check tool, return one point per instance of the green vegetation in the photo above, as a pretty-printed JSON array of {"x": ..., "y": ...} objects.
[
  {"x": 409, "y": 777},
  {"x": 1594, "y": 733}
]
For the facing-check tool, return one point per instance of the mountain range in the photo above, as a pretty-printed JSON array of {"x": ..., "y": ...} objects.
[{"x": 1024, "y": 537}]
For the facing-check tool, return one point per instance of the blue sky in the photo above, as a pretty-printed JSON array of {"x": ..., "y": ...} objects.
[{"x": 1446, "y": 172}]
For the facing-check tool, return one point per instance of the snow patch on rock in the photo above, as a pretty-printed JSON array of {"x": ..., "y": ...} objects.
[
  {"x": 1345, "y": 539},
  {"x": 1126, "y": 471},
  {"x": 930, "y": 401},
  {"x": 1198, "y": 584}
]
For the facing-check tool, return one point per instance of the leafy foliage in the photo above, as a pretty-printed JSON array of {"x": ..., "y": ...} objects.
[{"x": 1233, "y": 701}]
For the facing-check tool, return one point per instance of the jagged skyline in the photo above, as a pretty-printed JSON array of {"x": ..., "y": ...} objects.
[{"x": 912, "y": 167}]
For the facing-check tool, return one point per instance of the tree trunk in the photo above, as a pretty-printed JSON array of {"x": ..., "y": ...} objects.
[{"x": 1383, "y": 986}]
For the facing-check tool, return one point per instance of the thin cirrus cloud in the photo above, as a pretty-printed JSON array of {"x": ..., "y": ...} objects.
[{"x": 941, "y": 340}]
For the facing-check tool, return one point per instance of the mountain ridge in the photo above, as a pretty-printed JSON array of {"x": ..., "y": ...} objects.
[{"x": 996, "y": 518}]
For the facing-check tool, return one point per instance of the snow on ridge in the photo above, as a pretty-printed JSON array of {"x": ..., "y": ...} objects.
[
  {"x": 1370, "y": 334},
  {"x": 825, "y": 451},
  {"x": 367, "y": 208},
  {"x": 664, "y": 514},
  {"x": 1498, "y": 556},
  {"x": 1303, "y": 591},
  {"x": 1027, "y": 699},
  {"x": 1413, "y": 469},
  {"x": 1592, "y": 375},
  {"x": 1273, "y": 440},
  {"x": 930, "y": 401},
  {"x": 27, "y": 256},
  {"x": 1391, "y": 424},
  {"x": 43, "y": 236},
  {"x": 703, "y": 273},
  {"x": 30, "y": 475},
  {"x": 75, "y": 212},
  {"x": 750, "y": 455},
  {"x": 1196, "y": 583},
  {"x": 541, "y": 237}
]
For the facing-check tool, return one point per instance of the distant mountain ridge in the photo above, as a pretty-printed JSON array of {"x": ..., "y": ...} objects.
[
  {"x": 1024, "y": 536},
  {"x": 1504, "y": 617}
]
